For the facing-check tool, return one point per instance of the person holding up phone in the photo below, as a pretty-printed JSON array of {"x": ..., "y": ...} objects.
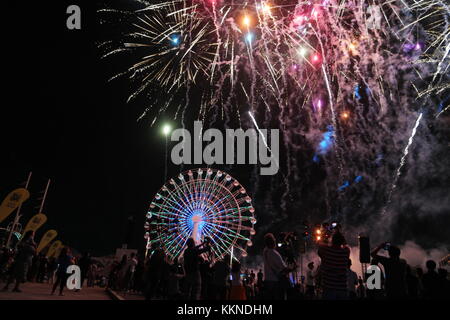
[{"x": 394, "y": 269}]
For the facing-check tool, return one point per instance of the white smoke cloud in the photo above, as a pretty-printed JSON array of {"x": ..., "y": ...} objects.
[{"x": 416, "y": 256}]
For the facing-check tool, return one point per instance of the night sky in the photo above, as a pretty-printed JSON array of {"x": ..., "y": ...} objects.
[
  {"x": 67, "y": 123},
  {"x": 70, "y": 125}
]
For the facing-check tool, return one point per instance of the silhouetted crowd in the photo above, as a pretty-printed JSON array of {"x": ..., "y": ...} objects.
[
  {"x": 334, "y": 279},
  {"x": 198, "y": 276},
  {"x": 24, "y": 264}
]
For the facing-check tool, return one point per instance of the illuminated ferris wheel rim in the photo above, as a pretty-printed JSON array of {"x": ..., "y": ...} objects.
[{"x": 204, "y": 199}]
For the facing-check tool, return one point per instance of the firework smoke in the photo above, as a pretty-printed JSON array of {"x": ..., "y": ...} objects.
[{"x": 365, "y": 68}]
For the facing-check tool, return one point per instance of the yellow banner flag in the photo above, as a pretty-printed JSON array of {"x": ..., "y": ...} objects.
[
  {"x": 58, "y": 251},
  {"x": 35, "y": 223},
  {"x": 12, "y": 202},
  {"x": 46, "y": 239},
  {"x": 53, "y": 247}
]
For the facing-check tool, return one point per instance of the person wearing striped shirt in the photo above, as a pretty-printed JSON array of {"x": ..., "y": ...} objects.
[{"x": 333, "y": 268}]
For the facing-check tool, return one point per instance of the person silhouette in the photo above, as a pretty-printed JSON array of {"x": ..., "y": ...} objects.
[
  {"x": 23, "y": 261},
  {"x": 444, "y": 284},
  {"x": 395, "y": 271},
  {"x": 192, "y": 259},
  {"x": 430, "y": 281},
  {"x": 334, "y": 267},
  {"x": 412, "y": 283}
]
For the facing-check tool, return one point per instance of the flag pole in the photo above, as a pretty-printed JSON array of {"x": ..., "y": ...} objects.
[
  {"x": 17, "y": 217},
  {"x": 45, "y": 196}
]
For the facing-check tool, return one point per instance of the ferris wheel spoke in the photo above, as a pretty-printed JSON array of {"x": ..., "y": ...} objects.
[
  {"x": 175, "y": 203},
  {"x": 221, "y": 211},
  {"x": 184, "y": 206},
  {"x": 166, "y": 205},
  {"x": 229, "y": 223},
  {"x": 225, "y": 240},
  {"x": 182, "y": 195},
  {"x": 165, "y": 214},
  {"x": 180, "y": 248},
  {"x": 213, "y": 187},
  {"x": 230, "y": 231},
  {"x": 221, "y": 200},
  {"x": 225, "y": 211},
  {"x": 177, "y": 244},
  {"x": 223, "y": 244}
]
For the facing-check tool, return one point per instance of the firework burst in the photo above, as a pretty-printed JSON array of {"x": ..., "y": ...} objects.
[{"x": 365, "y": 68}]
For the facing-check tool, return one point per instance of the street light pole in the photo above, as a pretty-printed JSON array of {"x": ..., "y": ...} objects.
[
  {"x": 17, "y": 217},
  {"x": 165, "y": 164},
  {"x": 166, "y": 131}
]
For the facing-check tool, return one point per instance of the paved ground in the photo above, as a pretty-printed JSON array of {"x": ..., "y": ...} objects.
[
  {"x": 130, "y": 296},
  {"x": 41, "y": 291}
]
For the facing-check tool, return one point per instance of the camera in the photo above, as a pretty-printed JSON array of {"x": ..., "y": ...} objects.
[{"x": 387, "y": 245}]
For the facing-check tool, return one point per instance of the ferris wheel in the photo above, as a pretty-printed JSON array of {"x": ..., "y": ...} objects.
[{"x": 200, "y": 204}]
